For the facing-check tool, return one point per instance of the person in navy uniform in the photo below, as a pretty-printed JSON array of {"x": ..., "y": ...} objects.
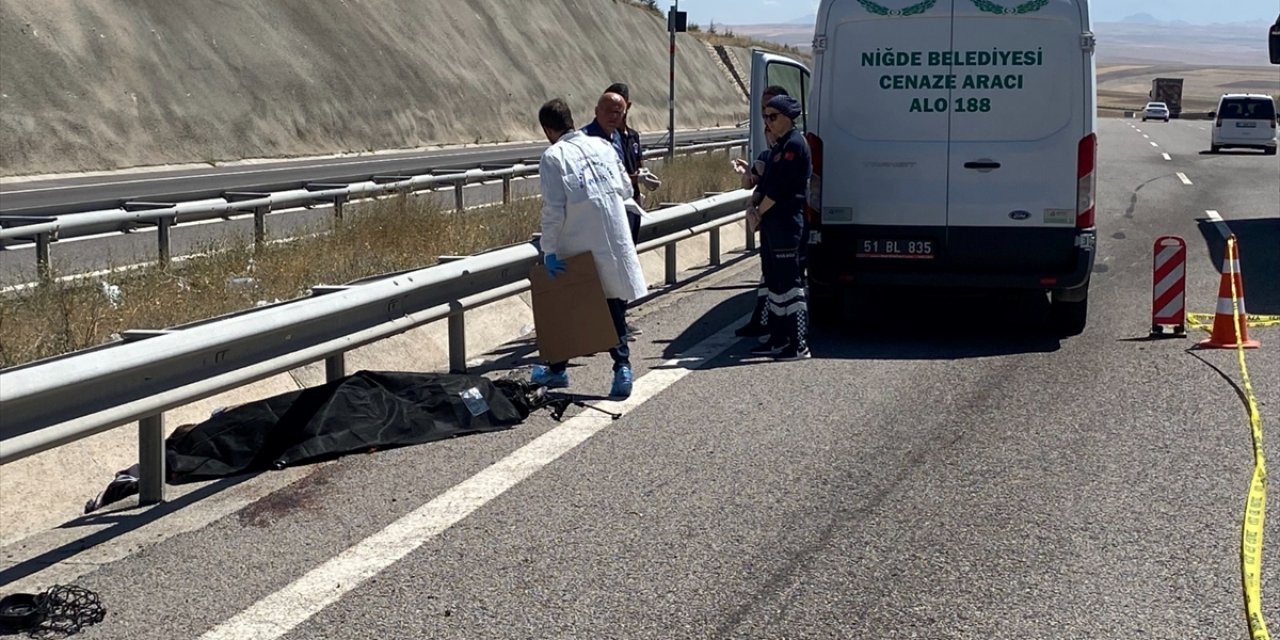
[
  {"x": 780, "y": 217},
  {"x": 758, "y": 325}
]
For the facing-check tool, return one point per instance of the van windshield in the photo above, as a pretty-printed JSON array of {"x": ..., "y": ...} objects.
[{"x": 1247, "y": 109}]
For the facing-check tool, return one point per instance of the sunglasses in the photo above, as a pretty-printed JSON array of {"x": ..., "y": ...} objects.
[{"x": 770, "y": 117}]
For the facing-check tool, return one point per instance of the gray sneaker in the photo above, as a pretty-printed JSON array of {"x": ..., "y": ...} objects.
[{"x": 791, "y": 353}]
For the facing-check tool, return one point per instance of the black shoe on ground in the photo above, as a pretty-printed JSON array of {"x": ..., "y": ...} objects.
[
  {"x": 751, "y": 330},
  {"x": 768, "y": 349},
  {"x": 791, "y": 353}
]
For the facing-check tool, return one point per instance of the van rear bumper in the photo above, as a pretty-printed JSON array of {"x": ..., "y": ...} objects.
[{"x": 831, "y": 265}]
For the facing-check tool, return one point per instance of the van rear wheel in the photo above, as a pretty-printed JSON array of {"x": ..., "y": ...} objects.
[{"x": 1069, "y": 316}]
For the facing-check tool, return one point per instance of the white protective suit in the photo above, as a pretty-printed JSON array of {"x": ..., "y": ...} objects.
[{"x": 584, "y": 184}]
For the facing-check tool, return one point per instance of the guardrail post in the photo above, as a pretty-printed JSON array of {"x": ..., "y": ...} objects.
[
  {"x": 335, "y": 367},
  {"x": 338, "y": 203},
  {"x": 459, "y": 201},
  {"x": 715, "y": 246},
  {"x": 44, "y": 267},
  {"x": 163, "y": 236},
  {"x": 670, "y": 251},
  {"x": 457, "y": 342},
  {"x": 260, "y": 227},
  {"x": 151, "y": 472},
  {"x": 506, "y": 189}
]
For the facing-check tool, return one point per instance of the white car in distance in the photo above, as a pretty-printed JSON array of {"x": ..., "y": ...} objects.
[{"x": 1155, "y": 111}]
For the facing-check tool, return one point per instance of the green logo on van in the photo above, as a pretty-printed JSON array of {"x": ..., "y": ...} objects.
[
  {"x": 1030, "y": 6},
  {"x": 915, "y": 9}
]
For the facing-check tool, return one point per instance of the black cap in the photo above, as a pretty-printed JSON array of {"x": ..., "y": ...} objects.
[{"x": 620, "y": 89}]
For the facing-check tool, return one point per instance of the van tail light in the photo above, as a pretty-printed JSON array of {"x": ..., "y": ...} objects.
[
  {"x": 814, "y": 210},
  {"x": 1086, "y": 181}
]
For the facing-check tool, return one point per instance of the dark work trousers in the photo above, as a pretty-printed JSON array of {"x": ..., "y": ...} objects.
[
  {"x": 788, "y": 308},
  {"x": 621, "y": 354},
  {"x": 804, "y": 247},
  {"x": 760, "y": 315}
]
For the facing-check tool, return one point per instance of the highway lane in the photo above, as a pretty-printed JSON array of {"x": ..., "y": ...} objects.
[
  {"x": 56, "y": 196},
  {"x": 949, "y": 469}
]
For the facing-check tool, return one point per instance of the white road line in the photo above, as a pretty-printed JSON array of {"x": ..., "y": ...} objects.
[
  {"x": 1166, "y": 156},
  {"x": 1154, "y": 144},
  {"x": 1183, "y": 177},
  {"x": 1146, "y": 136},
  {"x": 282, "y": 611},
  {"x": 1218, "y": 222}
]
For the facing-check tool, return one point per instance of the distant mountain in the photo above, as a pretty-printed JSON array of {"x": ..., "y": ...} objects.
[
  {"x": 1140, "y": 18},
  {"x": 810, "y": 20}
]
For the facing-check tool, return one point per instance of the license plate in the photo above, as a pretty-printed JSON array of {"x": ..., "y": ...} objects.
[
  {"x": 897, "y": 248},
  {"x": 1247, "y": 125}
]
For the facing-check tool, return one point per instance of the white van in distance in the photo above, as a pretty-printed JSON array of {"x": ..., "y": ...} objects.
[{"x": 954, "y": 145}]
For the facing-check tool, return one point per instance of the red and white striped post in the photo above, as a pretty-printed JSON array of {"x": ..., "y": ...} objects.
[{"x": 1169, "y": 286}]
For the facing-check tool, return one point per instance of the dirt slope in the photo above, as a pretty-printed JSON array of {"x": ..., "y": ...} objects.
[{"x": 120, "y": 83}]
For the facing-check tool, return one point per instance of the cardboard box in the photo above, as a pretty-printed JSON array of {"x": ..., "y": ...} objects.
[{"x": 570, "y": 314}]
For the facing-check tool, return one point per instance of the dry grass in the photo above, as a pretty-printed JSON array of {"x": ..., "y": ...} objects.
[
  {"x": 389, "y": 235},
  {"x": 725, "y": 37}
]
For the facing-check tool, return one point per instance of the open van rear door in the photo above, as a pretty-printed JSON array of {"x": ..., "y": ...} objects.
[{"x": 767, "y": 70}]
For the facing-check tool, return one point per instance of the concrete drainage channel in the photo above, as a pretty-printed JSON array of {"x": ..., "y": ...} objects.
[{"x": 31, "y": 502}]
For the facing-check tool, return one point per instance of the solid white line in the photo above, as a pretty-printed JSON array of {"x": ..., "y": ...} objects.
[
  {"x": 280, "y": 612},
  {"x": 1166, "y": 156},
  {"x": 1183, "y": 177}
]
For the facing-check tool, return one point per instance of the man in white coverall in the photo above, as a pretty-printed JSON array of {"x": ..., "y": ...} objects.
[{"x": 584, "y": 184}]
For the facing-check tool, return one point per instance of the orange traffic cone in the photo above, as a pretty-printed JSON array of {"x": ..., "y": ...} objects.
[{"x": 1226, "y": 329}]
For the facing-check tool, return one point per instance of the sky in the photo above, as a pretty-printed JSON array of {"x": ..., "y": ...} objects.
[{"x": 704, "y": 12}]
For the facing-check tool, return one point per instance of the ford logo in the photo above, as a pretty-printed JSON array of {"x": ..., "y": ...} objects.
[{"x": 1020, "y": 215}]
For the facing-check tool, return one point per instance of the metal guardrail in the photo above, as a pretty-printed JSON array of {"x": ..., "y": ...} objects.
[
  {"x": 47, "y": 404},
  {"x": 43, "y": 232}
]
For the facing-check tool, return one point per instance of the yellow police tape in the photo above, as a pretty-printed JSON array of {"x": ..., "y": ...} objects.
[
  {"x": 1255, "y": 509},
  {"x": 1204, "y": 321}
]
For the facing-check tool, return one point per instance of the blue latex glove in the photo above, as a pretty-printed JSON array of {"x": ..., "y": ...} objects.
[{"x": 555, "y": 266}]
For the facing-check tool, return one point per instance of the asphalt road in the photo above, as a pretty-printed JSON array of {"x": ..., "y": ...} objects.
[
  {"x": 88, "y": 193},
  {"x": 948, "y": 469}
]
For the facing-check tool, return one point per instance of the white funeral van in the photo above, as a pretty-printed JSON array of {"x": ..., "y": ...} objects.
[{"x": 954, "y": 145}]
